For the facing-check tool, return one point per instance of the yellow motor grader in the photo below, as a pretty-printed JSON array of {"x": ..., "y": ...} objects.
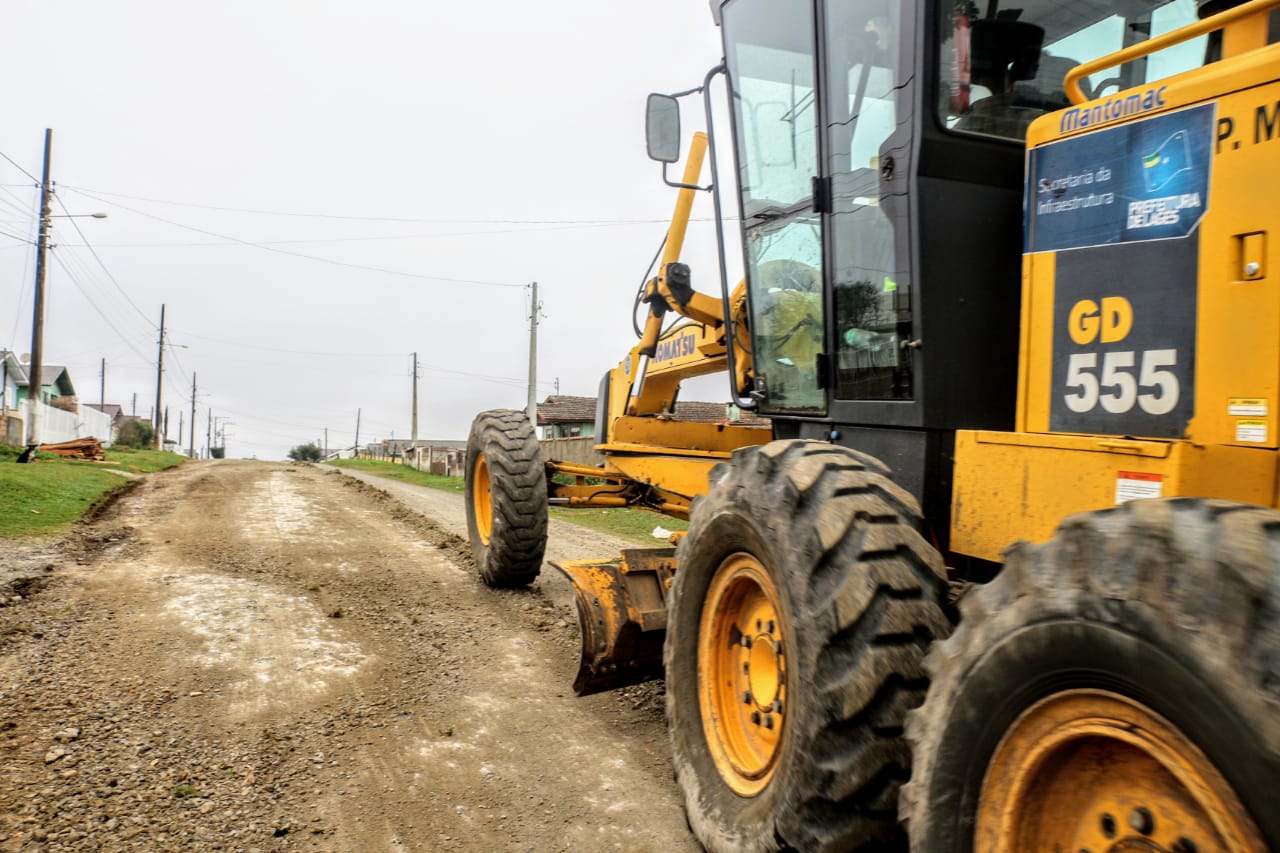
[{"x": 1002, "y": 571}]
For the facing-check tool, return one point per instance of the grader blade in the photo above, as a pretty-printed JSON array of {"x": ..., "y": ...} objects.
[{"x": 622, "y": 617}]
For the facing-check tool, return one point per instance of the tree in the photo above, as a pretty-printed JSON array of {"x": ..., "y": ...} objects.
[
  {"x": 306, "y": 453},
  {"x": 135, "y": 433}
]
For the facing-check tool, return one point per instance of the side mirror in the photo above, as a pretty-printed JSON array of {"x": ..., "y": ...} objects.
[{"x": 662, "y": 128}]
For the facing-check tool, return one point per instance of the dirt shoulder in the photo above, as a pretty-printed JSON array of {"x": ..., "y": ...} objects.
[{"x": 257, "y": 656}]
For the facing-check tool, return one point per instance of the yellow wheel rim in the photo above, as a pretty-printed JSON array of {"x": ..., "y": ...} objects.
[
  {"x": 1088, "y": 770},
  {"x": 481, "y": 500},
  {"x": 742, "y": 674}
]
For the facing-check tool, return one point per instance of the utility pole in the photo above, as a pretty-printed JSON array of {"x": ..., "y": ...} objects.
[
  {"x": 159, "y": 375},
  {"x": 180, "y": 416},
  {"x": 208, "y": 437},
  {"x": 102, "y": 387},
  {"x": 326, "y": 444},
  {"x": 37, "y": 321},
  {"x": 135, "y": 404},
  {"x": 533, "y": 358},
  {"x": 415, "y": 401},
  {"x": 165, "y": 435},
  {"x": 356, "y": 450},
  {"x": 191, "y": 453}
]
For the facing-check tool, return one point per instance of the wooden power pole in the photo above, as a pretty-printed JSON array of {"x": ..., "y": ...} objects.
[
  {"x": 159, "y": 377},
  {"x": 191, "y": 453},
  {"x": 414, "y": 437},
  {"x": 34, "y": 379},
  {"x": 533, "y": 359}
]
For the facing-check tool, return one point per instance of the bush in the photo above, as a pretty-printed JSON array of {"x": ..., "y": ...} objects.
[
  {"x": 306, "y": 453},
  {"x": 135, "y": 433}
]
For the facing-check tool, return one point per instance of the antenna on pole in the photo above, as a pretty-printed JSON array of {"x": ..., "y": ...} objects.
[{"x": 534, "y": 308}]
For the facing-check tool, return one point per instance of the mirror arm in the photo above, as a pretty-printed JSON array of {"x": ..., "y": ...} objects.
[{"x": 682, "y": 186}]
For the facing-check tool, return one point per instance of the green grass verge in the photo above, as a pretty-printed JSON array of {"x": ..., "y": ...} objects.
[
  {"x": 403, "y": 473},
  {"x": 635, "y": 524},
  {"x": 46, "y": 496},
  {"x": 142, "y": 461}
]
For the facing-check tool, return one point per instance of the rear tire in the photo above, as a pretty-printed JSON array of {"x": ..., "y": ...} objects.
[
  {"x": 506, "y": 498},
  {"x": 1143, "y": 640},
  {"x": 811, "y": 552}
]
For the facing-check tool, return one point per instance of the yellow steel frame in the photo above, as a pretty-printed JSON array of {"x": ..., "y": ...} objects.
[
  {"x": 651, "y": 459},
  {"x": 1018, "y": 485}
]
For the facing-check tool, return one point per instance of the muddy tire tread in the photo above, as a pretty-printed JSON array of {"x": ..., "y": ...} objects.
[
  {"x": 518, "y": 490},
  {"x": 871, "y": 607}
]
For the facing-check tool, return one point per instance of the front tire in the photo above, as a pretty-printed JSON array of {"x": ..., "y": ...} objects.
[
  {"x": 798, "y": 620},
  {"x": 1117, "y": 687},
  {"x": 506, "y": 498}
]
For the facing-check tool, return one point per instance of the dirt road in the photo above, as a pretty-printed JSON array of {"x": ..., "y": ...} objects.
[{"x": 257, "y": 657}]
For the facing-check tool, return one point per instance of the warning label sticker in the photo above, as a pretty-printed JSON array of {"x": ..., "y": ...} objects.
[
  {"x": 1247, "y": 407},
  {"x": 1253, "y": 431},
  {"x": 1136, "y": 485}
]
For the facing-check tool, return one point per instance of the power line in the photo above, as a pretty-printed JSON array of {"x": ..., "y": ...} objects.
[
  {"x": 296, "y": 352},
  {"x": 75, "y": 281},
  {"x": 94, "y": 252},
  {"x": 26, "y": 265},
  {"x": 19, "y": 168},
  {"x": 267, "y": 248},
  {"x": 373, "y": 218}
]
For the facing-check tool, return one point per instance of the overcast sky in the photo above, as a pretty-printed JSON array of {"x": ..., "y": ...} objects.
[{"x": 315, "y": 190}]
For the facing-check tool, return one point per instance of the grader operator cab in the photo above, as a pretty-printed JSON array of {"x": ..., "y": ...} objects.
[{"x": 1009, "y": 279}]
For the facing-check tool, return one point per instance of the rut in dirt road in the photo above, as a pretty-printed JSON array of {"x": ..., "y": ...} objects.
[{"x": 274, "y": 657}]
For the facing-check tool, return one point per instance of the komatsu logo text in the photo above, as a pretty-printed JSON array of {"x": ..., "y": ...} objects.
[
  {"x": 676, "y": 348},
  {"x": 1112, "y": 110}
]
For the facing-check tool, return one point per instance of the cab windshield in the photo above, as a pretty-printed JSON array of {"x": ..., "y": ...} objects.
[{"x": 1001, "y": 68}]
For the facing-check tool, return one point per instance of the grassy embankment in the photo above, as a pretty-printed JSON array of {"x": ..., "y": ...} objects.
[
  {"x": 46, "y": 496},
  {"x": 636, "y": 524}
]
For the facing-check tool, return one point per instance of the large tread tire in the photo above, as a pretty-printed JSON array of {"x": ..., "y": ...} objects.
[
  {"x": 1174, "y": 604},
  {"x": 862, "y": 597},
  {"x": 509, "y": 535}
]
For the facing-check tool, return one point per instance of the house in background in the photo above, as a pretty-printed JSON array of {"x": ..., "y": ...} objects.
[
  {"x": 114, "y": 411},
  {"x": 13, "y": 378},
  {"x": 55, "y": 387},
  {"x": 562, "y": 416}
]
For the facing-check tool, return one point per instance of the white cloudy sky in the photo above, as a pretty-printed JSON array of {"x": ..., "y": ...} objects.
[{"x": 316, "y": 189}]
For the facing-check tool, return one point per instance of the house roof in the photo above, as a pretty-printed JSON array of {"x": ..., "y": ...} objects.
[
  {"x": 561, "y": 409},
  {"x": 17, "y": 370},
  {"x": 714, "y": 413},
  {"x": 111, "y": 410},
  {"x": 56, "y": 374},
  {"x": 50, "y": 374}
]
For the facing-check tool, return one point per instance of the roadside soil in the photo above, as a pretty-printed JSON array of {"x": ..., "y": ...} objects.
[{"x": 248, "y": 656}]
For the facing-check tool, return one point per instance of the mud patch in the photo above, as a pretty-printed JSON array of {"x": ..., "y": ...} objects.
[{"x": 277, "y": 647}]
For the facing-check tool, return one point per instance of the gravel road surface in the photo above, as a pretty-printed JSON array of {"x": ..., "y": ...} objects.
[{"x": 249, "y": 656}]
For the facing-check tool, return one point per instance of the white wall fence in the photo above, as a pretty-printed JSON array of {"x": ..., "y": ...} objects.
[
  {"x": 581, "y": 450},
  {"x": 56, "y": 425},
  {"x": 444, "y": 461}
]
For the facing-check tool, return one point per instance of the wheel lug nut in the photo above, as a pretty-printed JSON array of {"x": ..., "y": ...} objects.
[
  {"x": 757, "y": 624},
  {"x": 777, "y": 706},
  {"x": 746, "y": 641},
  {"x": 768, "y": 721},
  {"x": 777, "y": 647},
  {"x": 1140, "y": 820},
  {"x": 1184, "y": 845},
  {"x": 1108, "y": 826},
  {"x": 769, "y": 627},
  {"x": 746, "y": 668},
  {"x": 755, "y": 718},
  {"x": 746, "y": 697}
]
